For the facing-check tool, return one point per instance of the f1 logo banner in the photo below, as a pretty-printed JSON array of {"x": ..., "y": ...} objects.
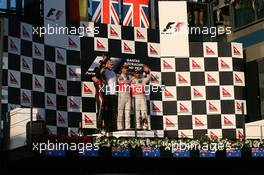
[
  {"x": 173, "y": 25},
  {"x": 54, "y": 16}
]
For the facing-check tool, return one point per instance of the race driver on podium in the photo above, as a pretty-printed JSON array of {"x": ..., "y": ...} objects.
[
  {"x": 138, "y": 83},
  {"x": 124, "y": 98}
]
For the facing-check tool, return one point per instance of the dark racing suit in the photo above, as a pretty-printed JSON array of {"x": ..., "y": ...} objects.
[{"x": 99, "y": 97}]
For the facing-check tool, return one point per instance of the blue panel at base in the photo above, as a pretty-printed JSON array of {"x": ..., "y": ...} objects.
[
  {"x": 207, "y": 153},
  {"x": 257, "y": 152},
  {"x": 233, "y": 153},
  {"x": 55, "y": 153},
  {"x": 120, "y": 152},
  {"x": 89, "y": 153},
  {"x": 150, "y": 152},
  {"x": 181, "y": 153}
]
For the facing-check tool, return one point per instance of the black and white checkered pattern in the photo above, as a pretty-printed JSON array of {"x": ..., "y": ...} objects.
[
  {"x": 203, "y": 92},
  {"x": 207, "y": 90}
]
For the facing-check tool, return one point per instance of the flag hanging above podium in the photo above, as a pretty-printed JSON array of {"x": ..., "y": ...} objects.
[
  {"x": 106, "y": 11},
  {"x": 136, "y": 13},
  {"x": 78, "y": 10}
]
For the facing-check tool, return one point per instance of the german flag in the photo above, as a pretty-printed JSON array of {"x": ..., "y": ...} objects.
[{"x": 78, "y": 10}]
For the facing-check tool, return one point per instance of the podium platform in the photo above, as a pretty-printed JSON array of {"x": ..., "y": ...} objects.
[{"x": 150, "y": 134}]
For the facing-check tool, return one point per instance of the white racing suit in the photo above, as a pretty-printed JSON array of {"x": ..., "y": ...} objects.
[
  {"x": 141, "y": 112},
  {"x": 124, "y": 102}
]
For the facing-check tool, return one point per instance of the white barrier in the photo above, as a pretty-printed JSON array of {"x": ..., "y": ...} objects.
[
  {"x": 255, "y": 130},
  {"x": 19, "y": 118}
]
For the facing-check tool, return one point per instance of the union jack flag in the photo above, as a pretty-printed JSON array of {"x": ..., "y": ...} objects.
[
  {"x": 105, "y": 11},
  {"x": 136, "y": 13}
]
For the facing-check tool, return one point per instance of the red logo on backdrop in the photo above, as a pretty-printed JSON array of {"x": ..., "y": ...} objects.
[
  {"x": 225, "y": 93},
  {"x": 172, "y": 27},
  {"x": 224, "y": 65},
  {"x": 25, "y": 64},
  {"x": 213, "y": 136},
  {"x": 49, "y": 130},
  {"x": 196, "y": 93},
  {"x": 181, "y": 79},
  {"x": 39, "y": 117},
  {"x": 195, "y": 65},
  {"x": 61, "y": 119},
  {"x": 209, "y": 51},
  {"x": 152, "y": 50},
  {"x": 240, "y": 135},
  {"x": 72, "y": 73},
  {"x": 113, "y": 32},
  {"x": 25, "y": 98},
  {"x": 72, "y": 133},
  {"x": 154, "y": 79},
  {"x": 183, "y": 108},
  {"x": 13, "y": 80},
  {"x": 59, "y": 56},
  {"x": 238, "y": 79},
  {"x": 25, "y": 32},
  {"x": 37, "y": 84},
  {"x": 13, "y": 45},
  {"x": 139, "y": 35},
  {"x": 210, "y": 79},
  {"x": 212, "y": 107},
  {"x": 168, "y": 94},
  {"x": 73, "y": 105},
  {"x": 12, "y": 107},
  {"x": 178, "y": 26},
  {"x": 236, "y": 51},
  {"x": 127, "y": 48},
  {"x": 99, "y": 45},
  {"x": 54, "y": 13},
  {"x": 85, "y": 26},
  {"x": 238, "y": 106},
  {"x": 49, "y": 70},
  {"x": 87, "y": 90},
  {"x": 183, "y": 135},
  {"x": 166, "y": 65},
  {"x": 169, "y": 123},
  {"x": 72, "y": 44},
  {"x": 198, "y": 122},
  {"x": 37, "y": 51},
  {"x": 87, "y": 120},
  {"x": 155, "y": 108},
  {"x": 60, "y": 87},
  {"x": 49, "y": 101},
  {"x": 227, "y": 121}
]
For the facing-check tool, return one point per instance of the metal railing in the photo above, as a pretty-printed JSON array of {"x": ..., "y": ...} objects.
[
  {"x": 247, "y": 12},
  {"x": 19, "y": 7}
]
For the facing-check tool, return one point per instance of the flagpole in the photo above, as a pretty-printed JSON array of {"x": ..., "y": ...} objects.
[
  {"x": 31, "y": 118},
  {"x": 152, "y": 13},
  {"x": 135, "y": 117},
  {"x": 244, "y": 123},
  {"x": 261, "y": 132},
  {"x": 121, "y": 11}
]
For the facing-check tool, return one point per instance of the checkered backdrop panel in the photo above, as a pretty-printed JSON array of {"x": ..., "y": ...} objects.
[
  {"x": 47, "y": 77},
  {"x": 203, "y": 93},
  {"x": 207, "y": 89}
]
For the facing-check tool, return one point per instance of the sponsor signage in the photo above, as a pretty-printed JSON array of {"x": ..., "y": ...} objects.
[{"x": 174, "y": 40}]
